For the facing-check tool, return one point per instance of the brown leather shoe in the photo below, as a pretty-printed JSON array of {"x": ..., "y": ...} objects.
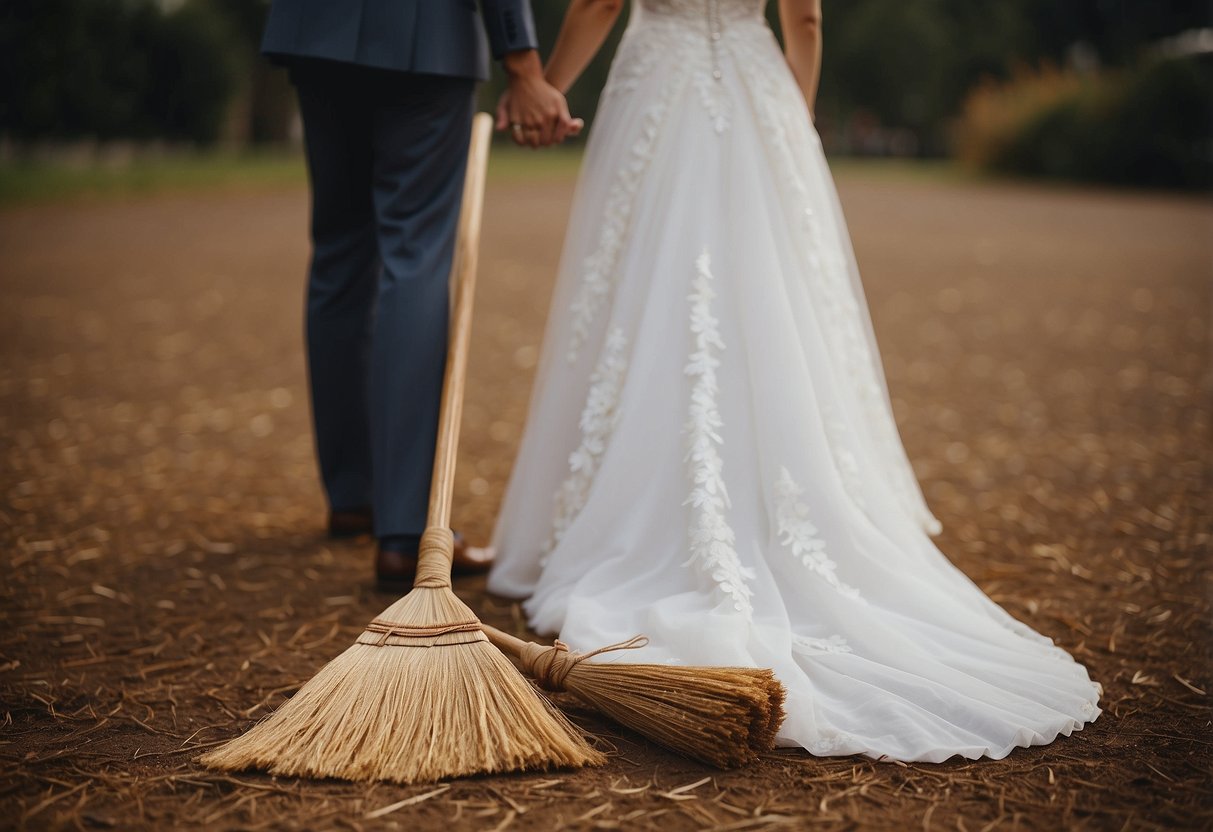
[
  {"x": 397, "y": 564},
  {"x": 350, "y": 523}
]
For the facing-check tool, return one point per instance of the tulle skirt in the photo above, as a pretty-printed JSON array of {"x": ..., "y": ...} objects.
[{"x": 711, "y": 458}]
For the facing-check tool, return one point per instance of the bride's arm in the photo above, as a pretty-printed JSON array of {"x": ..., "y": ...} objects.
[
  {"x": 586, "y": 25},
  {"x": 801, "y": 22}
]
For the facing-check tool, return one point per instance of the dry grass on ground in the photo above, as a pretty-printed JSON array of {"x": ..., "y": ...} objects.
[{"x": 165, "y": 579}]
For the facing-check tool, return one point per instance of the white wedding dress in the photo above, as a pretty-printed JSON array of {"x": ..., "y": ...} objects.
[{"x": 711, "y": 458}]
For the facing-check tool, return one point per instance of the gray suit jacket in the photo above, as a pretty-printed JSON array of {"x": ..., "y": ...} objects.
[{"x": 435, "y": 37}]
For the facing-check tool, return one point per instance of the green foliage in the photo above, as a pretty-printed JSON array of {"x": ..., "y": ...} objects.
[
  {"x": 909, "y": 65},
  {"x": 186, "y": 170},
  {"x": 1116, "y": 30},
  {"x": 1150, "y": 125},
  {"x": 188, "y": 70},
  {"x": 28, "y": 182},
  {"x": 110, "y": 69},
  {"x": 194, "y": 71}
]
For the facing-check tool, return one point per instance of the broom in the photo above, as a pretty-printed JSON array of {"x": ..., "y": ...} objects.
[
  {"x": 723, "y": 716},
  {"x": 421, "y": 695}
]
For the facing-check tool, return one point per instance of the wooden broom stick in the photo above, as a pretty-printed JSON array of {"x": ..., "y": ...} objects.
[{"x": 421, "y": 695}]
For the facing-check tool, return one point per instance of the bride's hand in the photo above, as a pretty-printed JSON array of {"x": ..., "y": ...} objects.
[{"x": 534, "y": 111}]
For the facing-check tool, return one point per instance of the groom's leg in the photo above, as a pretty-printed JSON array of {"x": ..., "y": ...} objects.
[
  {"x": 337, "y": 123},
  {"x": 421, "y": 135}
]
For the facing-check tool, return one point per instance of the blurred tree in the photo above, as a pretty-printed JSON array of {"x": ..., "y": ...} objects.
[
  {"x": 895, "y": 73},
  {"x": 890, "y": 61},
  {"x": 111, "y": 69},
  {"x": 245, "y": 18},
  {"x": 1149, "y": 124},
  {"x": 265, "y": 105},
  {"x": 194, "y": 68},
  {"x": 896, "y": 65},
  {"x": 72, "y": 68},
  {"x": 1116, "y": 30}
]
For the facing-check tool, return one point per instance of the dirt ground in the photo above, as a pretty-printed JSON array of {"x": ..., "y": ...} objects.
[{"x": 166, "y": 581}]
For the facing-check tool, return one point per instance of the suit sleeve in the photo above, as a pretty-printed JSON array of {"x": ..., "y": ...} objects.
[{"x": 510, "y": 25}]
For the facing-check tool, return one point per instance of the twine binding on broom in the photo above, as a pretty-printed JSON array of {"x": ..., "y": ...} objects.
[
  {"x": 386, "y": 629},
  {"x": 550, "y": 666}
]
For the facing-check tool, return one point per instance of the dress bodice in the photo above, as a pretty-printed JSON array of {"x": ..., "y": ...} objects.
[
  {"x": 702, "y": 37},
  {"x": 699, "y": 14}
]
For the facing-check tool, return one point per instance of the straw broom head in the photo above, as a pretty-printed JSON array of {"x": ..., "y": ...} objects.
[
  {"x": 724, "y": 716},
  {"x": 421, "y": 696}
]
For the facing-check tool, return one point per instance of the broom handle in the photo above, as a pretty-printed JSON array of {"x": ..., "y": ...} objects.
[
  {"x": 504, "y": 642},
  {"x": 437, "y": 541}
]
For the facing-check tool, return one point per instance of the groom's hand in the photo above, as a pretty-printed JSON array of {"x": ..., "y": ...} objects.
[{"x": 535, "y": 112}]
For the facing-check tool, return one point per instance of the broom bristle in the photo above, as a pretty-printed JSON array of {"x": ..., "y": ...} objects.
[
  {"x": 768, "y": 719},
  {"x": 724, "y": 716},
  {"x": 420, "y": 697},
  {"x": 718, "y": 715}
]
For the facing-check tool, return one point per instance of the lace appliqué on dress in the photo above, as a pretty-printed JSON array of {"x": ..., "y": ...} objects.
[
  {"x": 839, "y": 312},
  {"x": 639, "y": 52},
  {"x": 634, "y": 61},
  {"x": 712, "y": 541},
  {"x": 598, "y": 268},
  {"x": 800, "y": 535},
  {"x": 598, "y": 420}
]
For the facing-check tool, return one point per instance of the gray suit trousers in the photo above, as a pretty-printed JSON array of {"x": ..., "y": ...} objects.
[{"x": 386, "y": 154}]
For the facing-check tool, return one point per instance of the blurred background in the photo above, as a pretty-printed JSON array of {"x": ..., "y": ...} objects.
[
  {"x": 1112, "y": 91},
  {"x": 1026, "y": 183}
]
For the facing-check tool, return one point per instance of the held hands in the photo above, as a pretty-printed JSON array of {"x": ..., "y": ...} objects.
[{"x": 535, "y": 112}]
